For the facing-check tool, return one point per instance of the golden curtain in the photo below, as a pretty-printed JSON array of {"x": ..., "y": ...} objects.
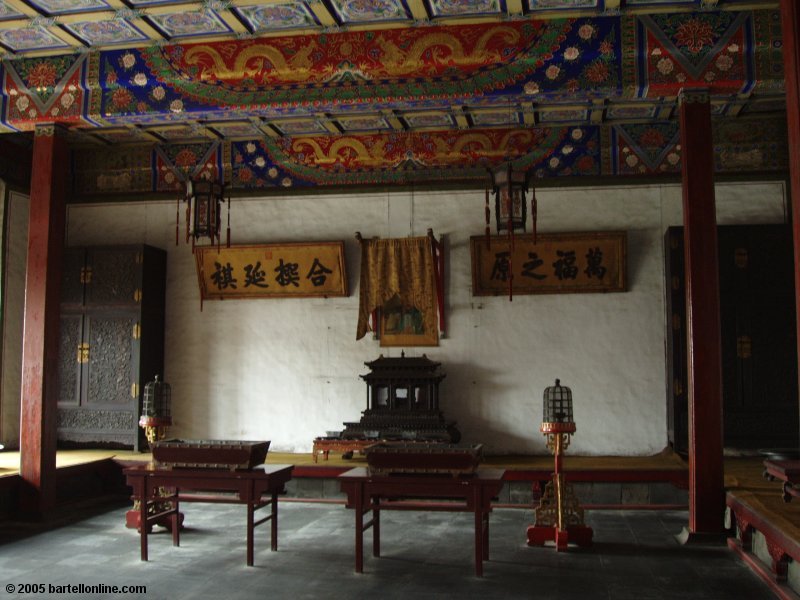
[{"x": 401, "y": 267}]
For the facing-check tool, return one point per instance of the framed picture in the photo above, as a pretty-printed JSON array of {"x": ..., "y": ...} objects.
[{"x": 404, "y": 327}]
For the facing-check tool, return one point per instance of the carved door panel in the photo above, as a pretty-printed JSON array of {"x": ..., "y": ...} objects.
[
  {"x": 113, "y": 352},
  {"x": 112, "y": 303},
  {"x": 70, "y": 358},
  {"x": 104, "y": 410},
  {"x": 115, "y": 277}
]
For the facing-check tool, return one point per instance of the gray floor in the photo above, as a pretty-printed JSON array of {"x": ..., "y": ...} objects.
[{"x": 425, "y": 555}]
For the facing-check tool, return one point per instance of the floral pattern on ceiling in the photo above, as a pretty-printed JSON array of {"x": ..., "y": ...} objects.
[
  {"x": 8, "y": 12},
  {"x": 33, "y": 37},
  {"x": 277, "y": 16},
  {"x": 175, "y": 164},
  {"x": 369, "y": 11},
  {"x": 308, "y": 161},
  {"x": 425, "y": 104},
  {"x": 65, "y": 7},
  {"x": 403, "y": 153},
  {"x": 190, "y": 24},
  {"x": 697, "y": 50},
  {"x": 461, "y": 8},
  {"x": 106, "y": 32},
  {"x": 359, "y": 67},
  {"x": 647, "y": 149},
  {"x": 46, "y": 90},
  {"x": 544, "y": 62}
]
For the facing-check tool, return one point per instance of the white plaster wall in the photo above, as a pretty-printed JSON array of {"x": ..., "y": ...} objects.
[
  {"x": 287, "y": 370},
  {"x": 16, "y": 252}
]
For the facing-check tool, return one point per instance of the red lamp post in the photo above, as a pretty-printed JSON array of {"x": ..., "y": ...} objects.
[{"x": 559, "y": 517}]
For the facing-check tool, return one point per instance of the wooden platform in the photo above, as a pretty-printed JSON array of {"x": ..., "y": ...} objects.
[
  {"x": 660, "y": 467},
  {"x": 768, "y": 528}
]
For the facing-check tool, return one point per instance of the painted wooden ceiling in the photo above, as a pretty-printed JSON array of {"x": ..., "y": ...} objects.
[{"x": 280, "y": 94}]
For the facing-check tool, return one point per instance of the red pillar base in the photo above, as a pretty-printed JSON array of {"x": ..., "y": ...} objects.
[
  {"x": 695, "y": 538},
  {"x": 577, "y": 534}
]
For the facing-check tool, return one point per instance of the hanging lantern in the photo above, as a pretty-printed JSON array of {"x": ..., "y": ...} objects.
[
  {"x": 509, "y": 188},
  {"x": 204, "y": 199}
]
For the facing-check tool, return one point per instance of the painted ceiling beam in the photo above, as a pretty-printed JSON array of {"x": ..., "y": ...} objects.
[
  {"x": 514, "y": 7},
  {"x": 418, "y": 11}
]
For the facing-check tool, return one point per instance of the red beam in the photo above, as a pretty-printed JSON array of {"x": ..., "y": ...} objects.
[
  {"x": 41, "y": 323},
  {"x": 790, "y": 27},
  {"x": 706, "y": 482}
]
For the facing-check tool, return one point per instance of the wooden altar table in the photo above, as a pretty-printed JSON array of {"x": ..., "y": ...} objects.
[
  {"x": 366, "y": 492},
  {"x": 787, "y": 471},
  {"x": 255, "y": 488}
]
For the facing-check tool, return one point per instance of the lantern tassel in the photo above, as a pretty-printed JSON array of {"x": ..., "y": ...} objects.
[
  {"x": 510, "y": 278},
  {"x": 177, "y": 219},
  {"x": 510, "y": 222},
  {"x": 228, "y": 240},
  {"x": 488, "y": 214},
  {"x": 188, "y": 215}
]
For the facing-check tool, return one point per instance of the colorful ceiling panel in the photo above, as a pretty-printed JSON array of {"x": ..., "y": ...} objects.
[
  {"x": 360, "y": 12},
  {"x": 285, "y": 16},
  {"x": 39, "y": 23},
  {"x": 343, "y": 92}
]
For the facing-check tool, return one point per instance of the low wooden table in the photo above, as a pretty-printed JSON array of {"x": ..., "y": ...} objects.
[
  {"x": 325, "y": 445},
  {"x": 787, "y": 471},
  {"x": 366, "y": 492},
  {"x": 255, "y": 488}
]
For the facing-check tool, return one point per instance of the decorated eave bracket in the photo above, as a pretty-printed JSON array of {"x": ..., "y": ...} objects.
[{"x": 437, "y": 256}]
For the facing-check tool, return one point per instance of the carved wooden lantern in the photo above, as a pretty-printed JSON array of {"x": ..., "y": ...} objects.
[
  {"x": 204, "y": 199},
  {"x": 509, "y": 187}
]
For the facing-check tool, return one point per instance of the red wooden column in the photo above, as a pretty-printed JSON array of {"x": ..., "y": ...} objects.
[
  {"x": 41, "y": 322},
  {"x": 706, "y": 483},
  {"x": 790, "y": 26}
]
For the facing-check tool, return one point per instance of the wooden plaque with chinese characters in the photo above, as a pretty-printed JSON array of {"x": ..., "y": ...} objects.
[
  {"x": 272, "y": 270},
  {"x": 558, "y": 263}
]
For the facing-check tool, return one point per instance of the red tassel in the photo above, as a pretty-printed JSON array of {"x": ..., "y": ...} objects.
[
  {"x": 488, "y": 214},
  {"x": 188, "y": 215},
  {"x": 510, "y": 225},
  {"x": 510, "y": 277},
  {"x": 177, "y": 219},
  {"x": 228, "y": 240}
]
